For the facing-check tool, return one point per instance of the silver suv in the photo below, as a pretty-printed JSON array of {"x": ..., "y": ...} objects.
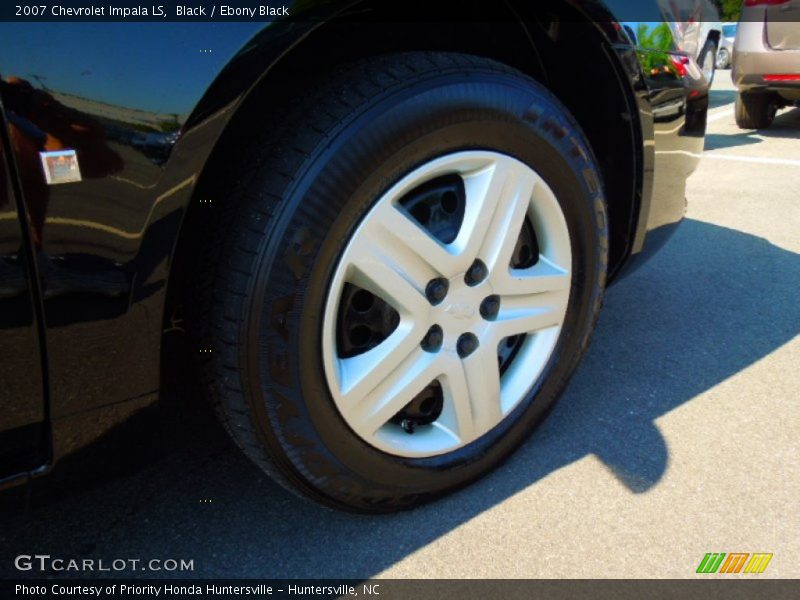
[
  {"x": 766, "y": 61},
  {"x": 725, "y": 51}
]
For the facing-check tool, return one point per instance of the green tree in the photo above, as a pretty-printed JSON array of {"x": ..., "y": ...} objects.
[
  {"x": 729, "y": 10},
  {"x": 656, "y": 40}
]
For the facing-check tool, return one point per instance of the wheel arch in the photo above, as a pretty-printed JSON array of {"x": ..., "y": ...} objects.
[{"x": 556, "y": 44}]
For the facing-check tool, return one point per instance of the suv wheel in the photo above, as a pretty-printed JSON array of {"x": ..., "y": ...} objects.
[
  {"x": 755, "y": 110},
  {"x": 411, "y": 273},
  {"x": 723, "y": 58},
  {"x": 707, "y": 60}
]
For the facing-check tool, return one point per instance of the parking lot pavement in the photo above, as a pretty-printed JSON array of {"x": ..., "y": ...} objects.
[{"x": 678, "y": 436}]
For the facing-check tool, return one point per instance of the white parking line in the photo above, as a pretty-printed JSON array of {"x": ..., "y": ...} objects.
[
  {"x": 716, "y": 116},
  {"x": 755, "y": 159},
  {"x": 748, "y": 159}
]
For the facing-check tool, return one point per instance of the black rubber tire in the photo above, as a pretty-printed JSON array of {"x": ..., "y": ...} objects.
[
  {"x": 755, "y": 110},
  {"x": 709, "y": 49},
  {"x": 286, "y": 219}
]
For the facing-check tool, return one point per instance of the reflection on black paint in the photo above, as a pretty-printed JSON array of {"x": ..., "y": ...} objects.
[
  {"x": 38, "y": 122},
  {"x": 119, "y": 94},
  {"x": 21, "y": 395}
]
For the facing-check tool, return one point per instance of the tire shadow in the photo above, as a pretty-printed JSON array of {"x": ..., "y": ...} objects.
[
  {"x": 785, "y": 126},
  {"x": 712, "y": 303}
]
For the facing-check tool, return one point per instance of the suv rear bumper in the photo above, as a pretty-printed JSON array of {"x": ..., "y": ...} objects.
[{"x": 749, "y": 69}]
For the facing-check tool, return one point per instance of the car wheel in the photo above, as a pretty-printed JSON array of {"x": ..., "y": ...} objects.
[
  {"x": 755, "y": 110},
  {"x": 411, "y": 274},
  {"x": 707, "y": 60},
  {"x": 723, "y": 58}
]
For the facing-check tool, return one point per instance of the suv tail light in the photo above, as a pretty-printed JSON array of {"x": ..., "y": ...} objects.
[
  {"x": 782, "y": 77},
  {"x": 680, "y": 63}
]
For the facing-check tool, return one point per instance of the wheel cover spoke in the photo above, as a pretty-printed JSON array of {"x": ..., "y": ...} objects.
[
  {"x": 392, "y": 276},
  {"x": 381, "y": 392},
  {"x": 482, "y": 376},
  {"x": 419, "y": 254},
  {"x": 373, "y": 409}
]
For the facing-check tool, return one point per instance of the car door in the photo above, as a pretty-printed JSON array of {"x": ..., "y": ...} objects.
[{"x": 23, "y": 441}]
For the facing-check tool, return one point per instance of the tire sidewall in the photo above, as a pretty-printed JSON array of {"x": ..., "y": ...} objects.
[
  {"x": 339, "y": 182},
  {"x": 709, "y": 51}
]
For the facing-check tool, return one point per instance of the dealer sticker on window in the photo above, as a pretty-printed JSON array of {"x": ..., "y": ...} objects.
[{"x": 61, "y": 166}]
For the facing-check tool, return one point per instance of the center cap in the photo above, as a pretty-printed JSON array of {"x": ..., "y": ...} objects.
[{"x": 460, "y": 310}]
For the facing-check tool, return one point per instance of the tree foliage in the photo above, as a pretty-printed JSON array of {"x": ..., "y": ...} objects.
[{"x": 729, "y": 10}]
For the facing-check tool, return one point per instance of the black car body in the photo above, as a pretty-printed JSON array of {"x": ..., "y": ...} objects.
[{"x": 89, "y": 270}]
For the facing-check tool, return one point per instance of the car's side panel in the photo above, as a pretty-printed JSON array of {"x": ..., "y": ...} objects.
[
  {"x": 119, "y": 95},
  {"x": 672, "y": 97},
  {"x": 22, "y": 397}
]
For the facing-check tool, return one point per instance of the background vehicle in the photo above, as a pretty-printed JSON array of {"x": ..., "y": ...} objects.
[
  {"x": 766, "y": 61},
  {"x": 389, "y": 240},
  {"x": 697, "y": 30},
  {"x": 725, "y": 52}
]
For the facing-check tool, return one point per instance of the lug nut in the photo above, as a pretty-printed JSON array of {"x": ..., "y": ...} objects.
[
  {"x": 408, "y": 425},
  {"x": 467, "y": 344},
  {"x": 490, "y": 307},
  {"x": 436, "y": 291},
  {"x": 476, "y": 273},
  {"x": 432, "y": 342}
]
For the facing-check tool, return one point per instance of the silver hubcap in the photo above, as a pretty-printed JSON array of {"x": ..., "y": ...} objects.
[
  {"x": 722, "y": 59},
  {"x": 708, "y": 66},
  {"x": 452, "y": 340}
]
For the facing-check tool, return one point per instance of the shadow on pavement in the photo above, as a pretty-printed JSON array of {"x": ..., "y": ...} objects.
[
  {"x": 785, "y": 126},
  {"x": 713, "y": 302},
  {"x": 717, "y": 98}
]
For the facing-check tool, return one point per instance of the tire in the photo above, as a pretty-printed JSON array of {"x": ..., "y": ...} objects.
[
  {"x": 293, "y": 215},
  {"x": 755, "y": 110},
  {"x": 707, "y": 60},
  {"x": 723, "y": 58}
]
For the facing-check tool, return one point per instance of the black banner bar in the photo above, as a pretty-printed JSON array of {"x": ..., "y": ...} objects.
[
  {"x": 162, "y": 11},
  {"x": 713, "y": 588}
]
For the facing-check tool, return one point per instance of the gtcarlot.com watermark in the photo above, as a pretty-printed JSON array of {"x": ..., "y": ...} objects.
[{"x": 45, "y": 563}]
